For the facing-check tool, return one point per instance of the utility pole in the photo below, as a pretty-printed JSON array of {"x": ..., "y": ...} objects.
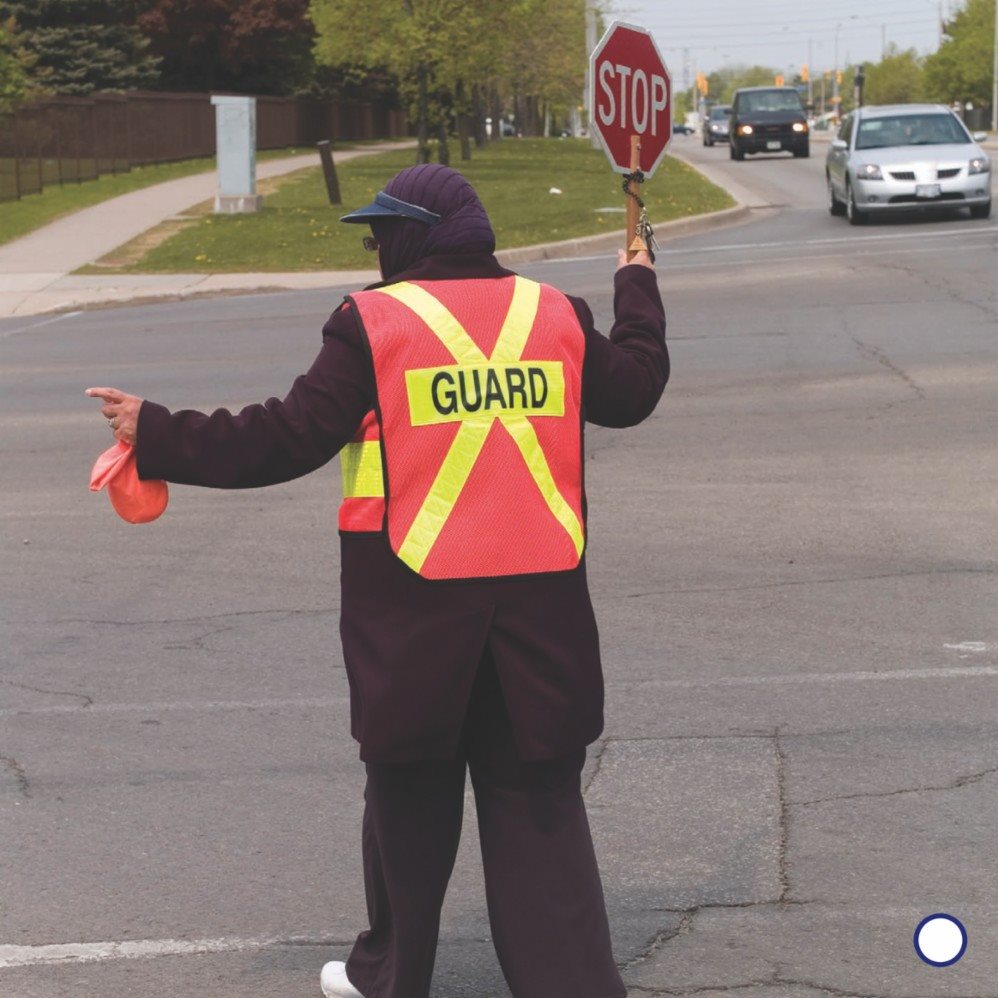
[
  {"x": 994, "y": 78},
  {"x": 883, "y": 42},
  {"x": 810, "y": 70},
  {"x": 836, "y": 104},
  {"x": 590, "y": 45}
]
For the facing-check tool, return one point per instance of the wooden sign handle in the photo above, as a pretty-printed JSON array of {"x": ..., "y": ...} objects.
[{"x": 634, "y": 243}]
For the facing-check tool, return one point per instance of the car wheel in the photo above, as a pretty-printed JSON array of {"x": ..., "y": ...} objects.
[
  {"x": 736, "y": 153},
  {"x": 980, "y": 210},
  {"x": 835, "y": 206},
  {"x": 803, "y": 153},
  {"x": 855, "y": 216}
]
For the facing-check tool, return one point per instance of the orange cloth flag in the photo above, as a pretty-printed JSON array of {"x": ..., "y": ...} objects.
[{"x": 133, "y": 500}]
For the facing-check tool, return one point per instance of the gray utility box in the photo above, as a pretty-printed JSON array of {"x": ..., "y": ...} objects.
[{"x": 235, "y": 130}]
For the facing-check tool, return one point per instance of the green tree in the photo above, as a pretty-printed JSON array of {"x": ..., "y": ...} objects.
[
  {"x": 723, "y": 83},
  {"x": 461, "y": 58},
  {"x": 13, "y": 75},
  {"x": 79, "y": 46},
  {"x": 961, "y": 69},
  {"x": 899, "y": 78},
  {"x": 253, "y": 46}
]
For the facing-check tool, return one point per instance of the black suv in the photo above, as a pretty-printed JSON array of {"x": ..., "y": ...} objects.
[{"x": 768, "y": 119}]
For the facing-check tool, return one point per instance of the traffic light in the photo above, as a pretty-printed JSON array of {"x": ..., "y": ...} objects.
[
  {"x": 805, "y": 73},
  {"x": 702, "y": 84},
  {"x": 779, "y": 81},
  {"x": 838, "y": 77}
]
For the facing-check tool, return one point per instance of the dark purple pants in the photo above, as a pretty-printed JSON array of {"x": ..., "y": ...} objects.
[{"x": 545, "y": 900}]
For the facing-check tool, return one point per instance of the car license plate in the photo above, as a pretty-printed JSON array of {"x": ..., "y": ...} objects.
[
  {"x": 773, "y": 144},
  {"x": 928, "y": 190}
]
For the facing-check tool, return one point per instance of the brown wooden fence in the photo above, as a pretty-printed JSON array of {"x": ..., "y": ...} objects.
[{"x": 63, "y": 140}]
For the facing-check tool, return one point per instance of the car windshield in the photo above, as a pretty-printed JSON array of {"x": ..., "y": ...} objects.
[
  {"x": 769, "y": 100},
  {"x": 910, "y": 130},
  {"x": 719, "y": 113}
]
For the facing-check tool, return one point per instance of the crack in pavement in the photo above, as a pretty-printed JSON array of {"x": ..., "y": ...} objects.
[
  {"x": 87, "y": 701},
  {"x": 198, "y": 642},
  {"x": 961, "y": 781},
  {"x": 809, "y": 582},
  {"x": 781, "y": 790},
  {"x": 597, "y": 764},
  {"x": 878, "y": 356},
  {"x": 187, "y": 620},
  {"x": 17, "y": 771},
  {"x": 661, "y": 937}
]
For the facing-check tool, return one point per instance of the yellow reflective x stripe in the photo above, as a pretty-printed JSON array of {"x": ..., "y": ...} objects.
[
  {"x": 444, "y": 492},
  {"x": 519, "y": 322},
  {"x": 530, "y": 447},
  {"x": 360, "y": 464},
  {"x": 438, "y": 317},
  {"x": 470, "y": 438}
]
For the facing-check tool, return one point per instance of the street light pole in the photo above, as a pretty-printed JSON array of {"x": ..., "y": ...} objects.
[
  {"x": 810, "y": 70},
  {"x": 836, "y": 96},
  {"x": 994, "y": 78}
]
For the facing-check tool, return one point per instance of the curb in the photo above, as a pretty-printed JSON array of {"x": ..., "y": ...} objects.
[
  {"x": 609, "y": 242},
  {"x": 606, "y": 243}
]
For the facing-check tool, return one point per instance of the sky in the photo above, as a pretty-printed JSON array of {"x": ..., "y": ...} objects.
[{"x": 780, "y": 33}]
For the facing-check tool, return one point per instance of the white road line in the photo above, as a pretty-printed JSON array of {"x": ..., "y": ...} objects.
[
  {"x": 976, "y": 647},
  {"x": 38, "y": 325},
  {"x": 821, "y": 678},
  {"x": 326, "y": 703},
  {"x": 856, "y": 248},
  {"x": 812, "y": 259},
  {"x": 137, "y": 949},
  {"x": 852, "y": 242}
]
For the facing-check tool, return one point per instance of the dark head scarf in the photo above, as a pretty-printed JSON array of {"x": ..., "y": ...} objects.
[{"x": 464, "y": 225}]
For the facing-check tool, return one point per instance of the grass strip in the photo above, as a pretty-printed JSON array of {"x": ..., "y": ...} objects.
[
  {"x": 18, "y": 218},
  {"x": 298, "y": 230}
]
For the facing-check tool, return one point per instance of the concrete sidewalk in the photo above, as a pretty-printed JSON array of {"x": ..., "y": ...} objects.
[{"x": 35, "y": 269}]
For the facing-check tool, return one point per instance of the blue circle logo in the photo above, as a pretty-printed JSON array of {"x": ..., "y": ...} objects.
[{"x": 940, "y": 940}]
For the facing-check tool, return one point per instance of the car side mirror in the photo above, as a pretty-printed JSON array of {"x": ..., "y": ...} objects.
[
  {"x": 980, "y": 136},
  {"x": 840, "y": 144}
]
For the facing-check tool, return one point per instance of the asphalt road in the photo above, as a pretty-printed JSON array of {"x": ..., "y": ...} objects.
[{"x": 793, "y": 563}]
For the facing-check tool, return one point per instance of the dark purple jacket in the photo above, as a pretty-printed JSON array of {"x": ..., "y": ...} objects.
[{"x": 412, "y": 647}]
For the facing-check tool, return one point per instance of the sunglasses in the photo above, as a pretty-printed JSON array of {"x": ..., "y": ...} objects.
[{"x": 370, "y": 244}]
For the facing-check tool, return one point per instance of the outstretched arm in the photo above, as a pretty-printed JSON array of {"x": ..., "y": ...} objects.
[{"x": 263, "y": 444}]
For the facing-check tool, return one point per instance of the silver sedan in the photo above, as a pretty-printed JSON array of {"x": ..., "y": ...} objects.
[{"x": 905, "y": 157}]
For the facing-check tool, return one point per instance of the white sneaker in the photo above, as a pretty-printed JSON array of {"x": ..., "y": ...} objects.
[{"x": 335, "y": 983}]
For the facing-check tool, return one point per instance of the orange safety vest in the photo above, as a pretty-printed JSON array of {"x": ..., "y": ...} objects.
[{"x": 472, "y": 461}]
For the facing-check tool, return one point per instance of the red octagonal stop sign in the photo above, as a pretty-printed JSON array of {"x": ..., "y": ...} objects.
[{"x": 630, "y": 93}]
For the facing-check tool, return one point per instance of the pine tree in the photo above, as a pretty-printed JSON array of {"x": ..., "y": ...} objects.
[{"x": 80, "y": 46}]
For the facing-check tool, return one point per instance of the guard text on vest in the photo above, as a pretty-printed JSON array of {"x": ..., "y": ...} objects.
[{"x": 485, "y": 391}]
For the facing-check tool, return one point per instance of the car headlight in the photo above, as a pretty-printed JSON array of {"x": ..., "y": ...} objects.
[
  {"x": 980, "y": 164},
  {"x": 745, "y": 129},
  {"x": 799, "y": 126},
  {"x": 869, "y": 171},
  {"x": 715, "y": 128}
]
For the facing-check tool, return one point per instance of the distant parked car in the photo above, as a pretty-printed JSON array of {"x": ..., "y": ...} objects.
[
  {"x": 681, "y": 129},
  {"x": 768, "y": 119},
  {"x": 904, "y": 157},
  {"x": 715, "y": 125}
]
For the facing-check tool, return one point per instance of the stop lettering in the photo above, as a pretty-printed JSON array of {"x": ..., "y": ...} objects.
[
  {"x": 630, "y": 94},
  {"x": 641, "y": 100}
]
